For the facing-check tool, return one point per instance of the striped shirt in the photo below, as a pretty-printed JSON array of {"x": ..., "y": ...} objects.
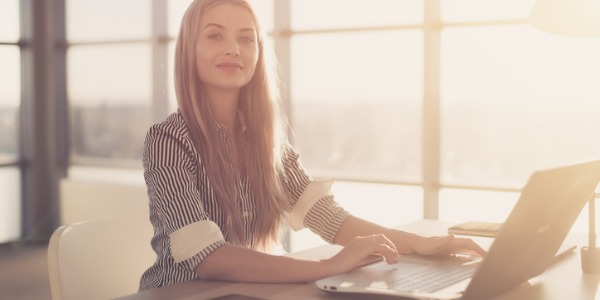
[{"x": 184, "y": 211}]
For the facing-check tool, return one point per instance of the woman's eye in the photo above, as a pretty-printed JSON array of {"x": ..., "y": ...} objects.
[
  {"x": 247, "y": 39},
  {"x": 214, "y": 36}
]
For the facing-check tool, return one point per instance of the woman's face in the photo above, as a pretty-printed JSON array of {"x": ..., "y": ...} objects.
[{"x": 227, "y": 49}]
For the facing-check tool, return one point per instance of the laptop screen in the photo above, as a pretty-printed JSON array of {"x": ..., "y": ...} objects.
[{"x": 549, "y": 204}]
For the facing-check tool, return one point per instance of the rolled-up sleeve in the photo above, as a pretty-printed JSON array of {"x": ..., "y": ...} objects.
[
  {"x": 183, "y": 229},
  {"x": 313, "y": 206},
  {"x": 192, "y": 243}
]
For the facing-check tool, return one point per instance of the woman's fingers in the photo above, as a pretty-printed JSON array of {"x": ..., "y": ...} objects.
[
  {"x": 433, "y": 245},
  {"x": 367, "y": 249},
  {"x": 448, "y": 244},
  {"x": 371, "y": 246},
  {"x": 364, "y": 250},
  {"x": 383, "y": 246},
  {"x": 462, "y": 244}
]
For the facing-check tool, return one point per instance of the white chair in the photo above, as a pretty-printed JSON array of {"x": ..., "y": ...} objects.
[{"x": 100, "y": 259}]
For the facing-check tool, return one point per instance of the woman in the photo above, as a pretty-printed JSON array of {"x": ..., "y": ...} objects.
[{"x": 223, "y": 181}]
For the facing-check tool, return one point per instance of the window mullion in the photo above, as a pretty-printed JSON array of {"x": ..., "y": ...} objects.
[
  {"x": 431, "y": 109},
  {"x": 282, "y": 29},
  {"x": 160, "y": 39},
  {"x": 42, "y": 64}
]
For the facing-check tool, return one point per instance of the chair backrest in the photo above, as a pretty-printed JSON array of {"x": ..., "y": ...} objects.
[{"x": 100, "y": 259}]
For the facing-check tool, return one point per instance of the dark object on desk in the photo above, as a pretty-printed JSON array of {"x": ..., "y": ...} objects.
[
  {"x": 590, "y": 260},
  {"x": 236, "y": 297},
  {"x": 475, "y": 228},
  {"x": 590, "y": 256}
]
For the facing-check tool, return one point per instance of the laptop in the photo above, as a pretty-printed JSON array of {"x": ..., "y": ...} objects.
[{"x": 524, "y": 247}]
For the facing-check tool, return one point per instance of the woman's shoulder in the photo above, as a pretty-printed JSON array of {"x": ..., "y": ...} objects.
[
  {"x": 172, "y": 125},
  {"x": 289, "y": 152},
  {"x": 169, "y": 141}
]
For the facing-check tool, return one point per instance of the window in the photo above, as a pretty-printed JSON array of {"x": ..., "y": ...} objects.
[
  {"x": 9, "y": 23},
  {"x": 400, "y": 203},
  {"x": 109, "y": 86},
  {"x": 485, "y": 10},
  {"x": 356, "y": 82},
  {"x": 511, "y": 99},
  {"x": 110, "y": 75},
  {"x": 176, "y": 9},
  {"x": 10, "y": 204},
  {"x": 363, "y": 70},
  {"x": 356, "y": 14},
  {"x": 120, "y": 71},
  {"x": 10, "y": 102},
  {"x": 368, "y": 90},
  {"x": 10, "y": 95},
  {"x": 524, "y": 101}
]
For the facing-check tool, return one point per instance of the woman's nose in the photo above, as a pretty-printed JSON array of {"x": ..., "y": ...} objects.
[{"x": 232, "y": 50}]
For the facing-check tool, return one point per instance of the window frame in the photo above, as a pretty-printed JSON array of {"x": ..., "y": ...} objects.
[{"x": 45, "y": 109}]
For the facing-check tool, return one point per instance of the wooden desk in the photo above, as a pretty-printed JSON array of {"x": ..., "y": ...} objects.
[{"x": 563, "y": 280}]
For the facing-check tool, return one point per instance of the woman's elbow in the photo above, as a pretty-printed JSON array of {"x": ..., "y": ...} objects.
[
  {"x": 214, "y": 268},
  {"x": 204, "y": 273}
]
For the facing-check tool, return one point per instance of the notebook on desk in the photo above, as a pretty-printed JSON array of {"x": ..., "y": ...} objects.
[{"x": 524, "y": 247}]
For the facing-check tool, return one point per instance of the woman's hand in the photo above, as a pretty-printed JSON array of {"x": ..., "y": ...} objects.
[
  {"x": 442, "y": 245},
  {"x": 363, "y": 239},
  {"x": 362, "y": 250}
]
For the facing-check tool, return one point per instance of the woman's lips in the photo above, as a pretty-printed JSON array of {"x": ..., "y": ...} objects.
[{"x": 230, "y": 66}]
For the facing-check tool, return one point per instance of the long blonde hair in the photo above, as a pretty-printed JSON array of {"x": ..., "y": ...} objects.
[{"x": 264, "y": 129}]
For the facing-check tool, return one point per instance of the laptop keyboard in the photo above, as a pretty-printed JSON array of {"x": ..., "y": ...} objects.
[{"x": 435, "y": 276}]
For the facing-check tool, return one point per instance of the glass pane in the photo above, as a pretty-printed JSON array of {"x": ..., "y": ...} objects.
[
  {"x": 109, "y": 86},
  {"x": 108, "y": 20},
  {"x": 9, "y": 146},
  {"x": 10, "y": 95},
  {"x": 10, "y": 76},
  {"x": 9, "y": 20},
  {"x": 110, "y": 74},
  {"x": 115, "y": 132},
  {"x": 485, "y": 10},
  {"x": 319, "y": 14},
  {"x": 403, "y": 204},
  {"x": 177, "y": 8},
  {"x": 582, "y": 223},
  {"x": 356, "y": 103},
  {"x": 171, "y": 78},
  {"x": 130, "y": 176},
  {"x": 388, "y": 204},
  {"x": 515, "y": 100},
  {"x": 10, "y": 204},
  {"x": 264, "y": 13},
  {"x": 458, "y": 206}
]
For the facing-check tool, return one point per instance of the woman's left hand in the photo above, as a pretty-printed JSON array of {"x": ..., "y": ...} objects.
[{"x": 447, "y": 244}]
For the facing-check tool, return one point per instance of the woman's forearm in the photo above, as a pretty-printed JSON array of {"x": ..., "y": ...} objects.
[
  {"x": 354, "y": 226},
  {"x": 232, "y": 263},
  {"x": 406, "y": 242}
]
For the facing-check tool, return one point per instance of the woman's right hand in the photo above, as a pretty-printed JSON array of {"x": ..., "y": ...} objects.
[{"x": 361, "y": 251}]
